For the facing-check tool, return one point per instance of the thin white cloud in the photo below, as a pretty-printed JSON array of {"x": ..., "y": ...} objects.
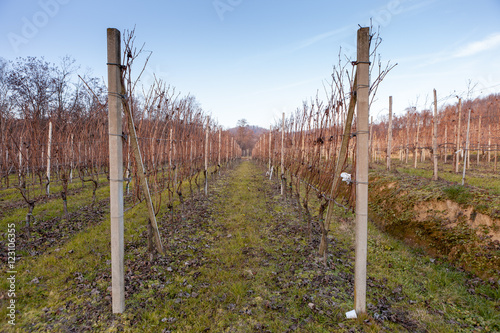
[
  {"x": 474, "y": 48},
  {"x": 416, "y": 7},
  {"x": 320, "y": 37}
]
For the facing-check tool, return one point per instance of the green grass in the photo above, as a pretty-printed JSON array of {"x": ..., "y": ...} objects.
[
  {"x": 479, "y": 176},
  {"x": 436, "y": 295},
  {"x": 458, "y": 193},
  {"x": 245, "y": 262},
  {"x": 54, "y": 206}
]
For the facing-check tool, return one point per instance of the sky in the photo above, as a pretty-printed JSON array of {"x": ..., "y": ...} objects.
[{"x": 255, "y": 59}]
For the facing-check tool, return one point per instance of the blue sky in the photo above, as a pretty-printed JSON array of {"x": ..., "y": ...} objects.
[{"x": 255, "y": 59}]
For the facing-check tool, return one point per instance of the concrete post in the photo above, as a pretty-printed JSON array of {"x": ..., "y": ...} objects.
[
  {"x": 445, "y": 143},
  {"x": 458, "y": 134},
  {"x": 270, "y": 134},
  {"x": 218, "y": 156},
  {"x": 282, "y": 170},
  {"x": 206, "y": 158},
  {"x": 115, "y": 170},
  {"x": 478, "y": 139},
  {"x": 489, "y": 144},
  {"x": 363, "y": 89},
  {"x": 434, "y": 139},
  {"x": 389, "y": 135},
  {"x": 49, "y": 145},
  {"x": 466, "y": 149},
  {"x": 416, "y": 141}
]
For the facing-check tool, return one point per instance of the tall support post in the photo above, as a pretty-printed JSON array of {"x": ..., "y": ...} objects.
[
  {"x": 227, "y": 149},
  {"x": 282, "y": 170},
  {"x": 434, "y": 139},
  {"x": 218, "y": 156},
  {"x": 115, "y": 170},
  {"x": 174, "y": 157},
  {"x": 20, "y": 161},
  {"x": 478, "y": 139},
  {"x": 389, "y": 135},
  {"x": 270, "y": 138},
  {"x": 206, "y": 158},
  {"x": 407, "y": 136},
  {"x": 49, "y": 146},
  {"x": 416, "y": 140},
  {"x": 370, "y": 142},
  {"x": 71, "y": 163},
  {"x": 495, "y": 163},
  {"x": 170, "y": 149},
  {"x": 458, "y": 135},
  {"x": 362, "y": 89},
  {"x": 445, "y": 143},
  {"x": 466, "y": 149},
  {"x": 489, "y": 144}
]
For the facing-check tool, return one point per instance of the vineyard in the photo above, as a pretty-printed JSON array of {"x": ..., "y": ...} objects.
[{"x": 204, "y": 238}]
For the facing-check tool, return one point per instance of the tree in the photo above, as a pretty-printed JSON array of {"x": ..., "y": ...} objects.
[
  {"x": 244, "y": 136},
  {"x": 32, "y": 80}
]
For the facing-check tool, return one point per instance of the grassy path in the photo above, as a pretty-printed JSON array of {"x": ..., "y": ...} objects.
[
  {"x": 241, "y": 278},
  {"x": 239, "y": 260}
]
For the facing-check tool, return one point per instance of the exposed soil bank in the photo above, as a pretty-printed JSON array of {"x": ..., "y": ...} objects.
[{"x": 421, "y": 212}]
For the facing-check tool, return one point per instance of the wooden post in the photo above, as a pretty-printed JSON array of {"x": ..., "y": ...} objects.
[
  {"x": 141, "y": 172},
  {"x": 466, "y": 148},
  {"x": 206, "y": 158},
  {"x": 49, "y": 145},
  {"x": 282, "y": 170},
  {"x": 362, "y": 89},
  {"x": 129, "y": 163},
  {"x": 434, "y": 139},
  {"x": 115, "y": 170},
  {"x": 458, "y": 134},
  {"x": 389, "y": 135}
]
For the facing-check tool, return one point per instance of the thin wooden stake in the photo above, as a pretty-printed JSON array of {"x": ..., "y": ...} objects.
[{"x": 141, "y": 172}]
